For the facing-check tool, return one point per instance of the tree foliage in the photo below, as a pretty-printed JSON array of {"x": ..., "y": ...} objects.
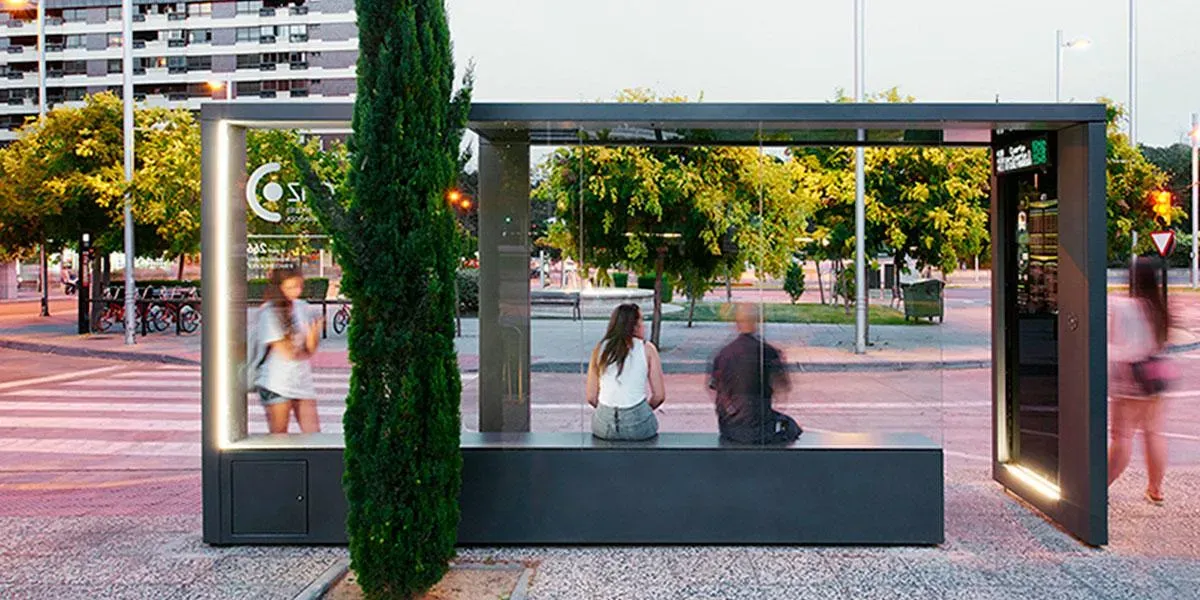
[
  {"x": 395, "y": 240},
  {"x": 1129, "y": 180}
]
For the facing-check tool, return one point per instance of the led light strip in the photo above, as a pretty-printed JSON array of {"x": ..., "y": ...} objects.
[
  {"x": 1035, "y": 481},
  {"x": 220, "y": 291}
]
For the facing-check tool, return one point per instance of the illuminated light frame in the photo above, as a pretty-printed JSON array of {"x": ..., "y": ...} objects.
[
  {"x": 220, "y": 291},
  {"x": 1042, "y": 485}
]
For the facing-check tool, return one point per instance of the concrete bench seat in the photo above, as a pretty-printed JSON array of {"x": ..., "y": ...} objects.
[
  {"x": 693, "y": 488},
  {"x": 557, "y": 298}
]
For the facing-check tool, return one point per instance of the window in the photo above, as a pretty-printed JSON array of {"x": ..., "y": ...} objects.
[
  {"x": 114, "y": 40},
  {"x": 114, "y": 65},
  {"x": 298, "y": 33},
  {"x": 74, "y": 15},
  {"x": 75, "y": 41},
  {"x": 176, "y": 34},
  {"x": 150, "y": 62},
  {"x": 247, "y": 34},
  {"x": 77, "y": 93},
  {"x": 247, "y": 61},
  {"x": 74, "y": 67},
  {"x": 114, "y": 13},
  {"x": 249, "y": 7},
  {"x": 199, "y": 63},
  {"x": 199, "y": 9},
  {"x": 177, "y": 62},
  {"x": 200, "y": 36}
]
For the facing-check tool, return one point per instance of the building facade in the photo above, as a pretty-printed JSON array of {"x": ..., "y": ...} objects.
[{"x": 184, "y": 53}]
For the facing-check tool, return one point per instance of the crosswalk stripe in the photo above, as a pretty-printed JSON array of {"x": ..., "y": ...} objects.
[
  {"x": 97, "y": 447},
  {"x": 124, "y": 407},
  {"x": 61, "y": 376}
]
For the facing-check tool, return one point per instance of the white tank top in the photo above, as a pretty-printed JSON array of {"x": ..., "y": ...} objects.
[{"x": 628, "y": 388}]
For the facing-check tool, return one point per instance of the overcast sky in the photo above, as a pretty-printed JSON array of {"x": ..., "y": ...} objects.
[{"x": 802, "y": 51}]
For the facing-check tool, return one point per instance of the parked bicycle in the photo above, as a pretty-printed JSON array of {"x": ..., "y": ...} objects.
[{"x": 341, "y": 318}]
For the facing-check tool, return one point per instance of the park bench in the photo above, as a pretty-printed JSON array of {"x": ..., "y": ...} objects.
[{"x": 556, "y": 298}]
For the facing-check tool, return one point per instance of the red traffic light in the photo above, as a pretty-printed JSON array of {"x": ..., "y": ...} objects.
[{"x": 1160, "y": 203}]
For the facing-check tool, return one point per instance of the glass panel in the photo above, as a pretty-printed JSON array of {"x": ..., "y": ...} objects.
[{"x": 302, "y": 369}]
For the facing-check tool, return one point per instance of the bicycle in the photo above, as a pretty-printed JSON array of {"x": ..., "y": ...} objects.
[{"x": 341, "y": 318}]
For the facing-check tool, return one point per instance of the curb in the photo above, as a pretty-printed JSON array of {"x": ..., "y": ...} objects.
[
  {"x": 701, "y": 367},
  {"x": 316, "y": 590},
  {"x": 521, "y": 592},
  {"x": 122, "y": 355}
]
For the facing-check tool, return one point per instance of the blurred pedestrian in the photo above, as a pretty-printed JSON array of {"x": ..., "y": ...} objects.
[
  {"x": 287, "y": 335},
  {"x": 747, "y": 375},
  {"x": 623, "y": 367},
  {"x": 1139, "y": 374}
]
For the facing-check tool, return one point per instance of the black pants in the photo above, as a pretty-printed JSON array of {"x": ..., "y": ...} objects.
[{"x": 778, "y": 428}]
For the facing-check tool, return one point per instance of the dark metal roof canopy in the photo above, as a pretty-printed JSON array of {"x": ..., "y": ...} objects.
[{"x": 768, "y": 124}]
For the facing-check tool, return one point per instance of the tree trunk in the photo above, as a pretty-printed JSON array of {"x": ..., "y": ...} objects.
[
  {"x": 691, "y": 311},
  {"x": 728, "y": 283},
  {"x": 820, "y": 286},
  {"x": 656, "y": 320},
  {"x": 180, "y": 275}
]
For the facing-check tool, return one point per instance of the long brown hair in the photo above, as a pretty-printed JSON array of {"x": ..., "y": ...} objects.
[
  {"x": 1145, "y": 286},
  {"x": 283, "y": 307},
  {"x": 619, "y": 338}
]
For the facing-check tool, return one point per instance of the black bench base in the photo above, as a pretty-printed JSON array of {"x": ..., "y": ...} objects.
[
  {"x": 691, "y": 489},
  {"x": 556, "y": 488}
]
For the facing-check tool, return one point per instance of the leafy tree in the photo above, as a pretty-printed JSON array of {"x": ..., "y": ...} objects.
[
  {"x": 395, "y": 240},
  {"x": 1176, "y": 161},
  {"x": 1130, "y": 178},
  {"x": 167, "y": 180}
]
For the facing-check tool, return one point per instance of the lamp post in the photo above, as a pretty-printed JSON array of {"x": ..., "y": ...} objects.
[
  {"x": 1059, "y": 46},
  {"x": 1195, "y": 135},
  {"x": 1132, "y": 72},
  {"x": 127, "y": 100},
  {"x": 860, "y": 217}
]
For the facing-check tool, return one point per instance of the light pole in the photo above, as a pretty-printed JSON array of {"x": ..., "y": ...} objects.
[
  {"x": 1132, "y": 72},
  {"x": 1059, "y": 46},
  {"x": 1195, "y": 135},
  {"x": 860, "y": 218},
  {"x": 127, "y": 100}
]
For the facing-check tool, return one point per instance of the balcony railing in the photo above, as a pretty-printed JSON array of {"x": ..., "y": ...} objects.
[
  {"x": 266, "y": 67},
  {"x": 177, "y": 16},
  {"x": 54, "y": 47},
  {"x": 266, "y": 39},
  {"x": 15, "y": 101},
  {"x": 177, "y": 69},
  {"x": 298, "y": 10},
  {"x": 298, "y": 66},
  {"x": 54, "y": 21},
  {"x": 54, "y": 74},
  {"x": 266, "y": 93},
  {"x": 266, "y": 12},
  {"x": 16, "y": 49},
  {"x": 177, "y": 43},
  {"x": 139, "y": 18},
  {"x": 139, "y": 70},
  {"x": 299, "y": 37},
  {"x": 16, "y": 24},
  {"x": 177, "y": 96},
  {"x": 15, "y": 75},
  {"x": 299, "y": 93},
  {"x": 139, "y": 44}
]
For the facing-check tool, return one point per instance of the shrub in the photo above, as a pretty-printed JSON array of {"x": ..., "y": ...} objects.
[
  {"x": 621, "y": 280},
  {"x": 468, "y": 291},
  {"x": 793, "y": 281}
]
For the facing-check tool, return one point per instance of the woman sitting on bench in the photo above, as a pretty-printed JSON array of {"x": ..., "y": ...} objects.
[{"x": 623, "y": 365}]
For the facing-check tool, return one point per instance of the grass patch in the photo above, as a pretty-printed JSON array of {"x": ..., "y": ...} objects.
[{"x": 708, "y": 312}]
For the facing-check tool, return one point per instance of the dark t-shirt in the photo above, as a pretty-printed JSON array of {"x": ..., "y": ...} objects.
[{"x": 741, "y": 375}]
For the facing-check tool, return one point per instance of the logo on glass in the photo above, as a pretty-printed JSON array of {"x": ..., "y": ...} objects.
[{"x": 297, "y": 209}]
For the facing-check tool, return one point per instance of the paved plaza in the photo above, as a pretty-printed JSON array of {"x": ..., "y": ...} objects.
[{"x": 100, "y": 482}]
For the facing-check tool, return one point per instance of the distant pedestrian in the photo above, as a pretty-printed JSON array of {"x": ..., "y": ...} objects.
[
  {"x": 1139, "y": 374},
  {"x": 747, "y": 375},
  {"x": 623, "y": 368},
  {"x": 287, "y": 334}
]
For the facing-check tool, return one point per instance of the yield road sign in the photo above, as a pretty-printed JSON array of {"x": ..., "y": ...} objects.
[{"x": 1164, "y": 241}]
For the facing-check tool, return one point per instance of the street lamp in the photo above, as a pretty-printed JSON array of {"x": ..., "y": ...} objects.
[
  {"x": 41, "y": 62},
  {"x": 226, "y": 85},
  {"x": 1059, "y": 46},
  {"x": 127, "y": 100}
]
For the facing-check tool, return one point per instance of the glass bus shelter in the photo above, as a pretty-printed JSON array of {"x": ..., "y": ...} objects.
[{"x": 1048, "y": 362}]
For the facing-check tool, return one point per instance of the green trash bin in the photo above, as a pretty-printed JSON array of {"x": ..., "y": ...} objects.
[{"x": 923, "y": 299}]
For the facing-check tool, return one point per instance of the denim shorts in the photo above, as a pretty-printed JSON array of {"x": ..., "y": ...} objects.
[
  {"x": 267, "y": 397},
  {"x": 634, "y": 423}
]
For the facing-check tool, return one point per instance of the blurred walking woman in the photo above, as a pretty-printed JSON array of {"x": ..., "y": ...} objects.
[
  {"x": 288, "y": 335},
  {"x": 1139, "y": 374},
  {"x": 623, "y": 367}
]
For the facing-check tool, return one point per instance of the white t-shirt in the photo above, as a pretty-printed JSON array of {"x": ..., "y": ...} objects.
[
  {"x": 629, "y": 388},
  {"x": 289, "y": 378}
]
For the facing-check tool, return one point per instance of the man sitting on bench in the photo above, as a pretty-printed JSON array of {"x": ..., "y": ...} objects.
[{"x": 745, "y": 376}]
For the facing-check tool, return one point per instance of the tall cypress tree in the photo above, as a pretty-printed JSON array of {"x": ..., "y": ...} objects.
[{"x": 395, "y": 240}]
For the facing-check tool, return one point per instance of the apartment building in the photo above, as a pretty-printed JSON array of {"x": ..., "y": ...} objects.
[{"x": 184, "y": 53}]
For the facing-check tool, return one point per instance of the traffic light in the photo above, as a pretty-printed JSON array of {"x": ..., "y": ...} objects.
[{"x": 1160, "y": 203}]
